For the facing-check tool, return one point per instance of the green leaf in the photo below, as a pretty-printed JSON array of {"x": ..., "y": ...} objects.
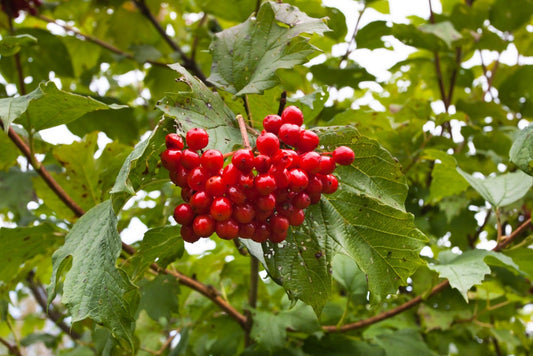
[
  {"x": 370, "y": 36},
  {"x": 365, "y": 220},
  {"x": 300, "y": 265},
  {"x": 346, "y": 272},
  {"x": 159, "y": 297},
  {"x": 446, "y": 181},
  {"x": 8, "y": 154},
  {"x": 94, "y": 287},
  {"x": 443, "y": 30},
  {"x": 404, "y": 342},
  {"x": 507, "y": 15},
  {"x": 246, "y": 56},
  {"x": 416, "y": 37},
  {"x": 469, "y": 269},
  {"x": 195, "y": 105},
  {"x": 87, "y": 180},
  {"x": 162, "y": 244},
  {"x": 16, "y": 190},
  {"x": 521, "y": 152},
  {"x": 331, "y": 74},
  {"x": 236, "y": 11},
  {"x": 21, "y": 245},
  {"x": 501, "y": 190},
  {"x": 47, "y": 107},
  {"x": 516, "y": 90},
  {"x": 84, "y": 55},
  {"x": 11, "y": 45}
]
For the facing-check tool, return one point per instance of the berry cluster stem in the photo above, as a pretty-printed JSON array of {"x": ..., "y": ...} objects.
[{"x": 244, "y": 132}]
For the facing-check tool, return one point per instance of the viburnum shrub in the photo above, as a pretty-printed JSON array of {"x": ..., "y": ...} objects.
[{"x": 261, "y": 191}]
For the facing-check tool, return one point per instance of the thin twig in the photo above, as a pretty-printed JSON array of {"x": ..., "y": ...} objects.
[
  {"x": 40, "y": 296},
  {"x": 418, "y": 299},
  {"x": 352, "y": 39},
  {"x": 13, "y": 349},
  {"x": 480, "y": 228},
  {"x": 282, "y": 102},
  {"x": 209, "y": 292},
  {"x": 97, "y": 41},
  {"x": 187, "y": 62},
  {"x": 247, "y": 109}
]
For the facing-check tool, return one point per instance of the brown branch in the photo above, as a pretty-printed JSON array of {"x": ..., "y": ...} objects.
[
  {"x": 453, "y": 78},
  {"x": 480, "y": 228},
  {"x": 352, "y": 39},
  {"x": 244, "y": 132},
  {"x": 13, "y": 349},
  {"x": 418, "y": 299},
  {"x": 40, "y": 296},
  {"x": 209, "y": 292},
  {"x": 97, "y": 41},
  {"x": 188, "y": 63}
]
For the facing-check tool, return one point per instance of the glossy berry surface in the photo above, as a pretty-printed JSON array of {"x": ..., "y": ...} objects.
[
  {"x": 343, "y": 155},
  {"x": 292, "y": 115},
  {"x": 197, "y": 139}
]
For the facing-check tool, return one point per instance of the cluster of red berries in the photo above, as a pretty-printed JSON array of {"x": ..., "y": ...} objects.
[
  {"x": 14, "y": 7},
  {"x": 262, "y": 191}
]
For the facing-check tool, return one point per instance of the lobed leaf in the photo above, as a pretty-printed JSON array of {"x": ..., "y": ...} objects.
[
  {"x": 501, "y": 190},
  {"x": 246, "y": 56},
  {"x": 468, "y": 269},
  {"x": 47, "y": 107},
  {"x": 94, "y": 287},
  {"x": 11, "y": 45}
]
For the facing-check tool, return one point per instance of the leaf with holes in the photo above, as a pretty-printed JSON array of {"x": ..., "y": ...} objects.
[{"x": 246, "y": 56}]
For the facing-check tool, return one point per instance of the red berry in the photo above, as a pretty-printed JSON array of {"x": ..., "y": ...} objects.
[
  {"x": 186, "y": 194},
  {"x": 261, "y": 232},
  {"x": 285, "y": 209},
  {"x": 215, "y": 186},
  {"x": 298, "y": 180},
  {"x": 301, "y": 201},
  {"x": 277, "y": 237},
  {"x": 230, "y": 175},
  {"x": 327, "y": 165},
  {"x": 279, "y": 224},
  {"x": 236, "y": 195},
  {"x": 343, "y": 155},
  {"x": 183, "y": 214},
  {"x": 281, "y": 176},
  {"x": 315, "y": 197},
  {"x": 265, "y": 184},
  {"x": 227, "y": 230},
  {"x": 263, "y": 216},
  {"x": 203, "y": 225},
  {"x": 221, "y": 209},
  {"x": 243, "y": 159},
  {"x": 309, "y": 162},
  {"x": 289, "y": 134},
  {"x": 171, "y": 159},
  {"x": 272, "y": 123},
  {"x": 197, "y": 138},
  {"x": 296, "y": 217},
  {"x": 330, "y": 183},
  {"x": 201, "y": 202},
  {"x": 188, "y": 234},
  {"x": 243, "y": 213},
  {"x": 197, "y": 178},
  {"x": 179, "y": 176},
  {"x": 247, "y": 231},
  {"x": 307, "y": 141},
  {"x": 174, "y": 141},
  {"x": 284, "y": 158},
  {"x": 262, "y": 163},
  {"x": 212, "y": 160},
  {"x": 190, "y": 159},
  {"x": 282, "y": 195},
  {"x": 266, "y": 202},
  {"x": 292, "y": 115},
  {"x": 315, "y": 185},
  {"x": 267, "y": 143},
  {"x": 246, "y": 182}
]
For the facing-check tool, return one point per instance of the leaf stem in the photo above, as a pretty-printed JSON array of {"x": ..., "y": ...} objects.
[
  {"x": 97, "y": 41},
  {"x": 13, "y": 349},
  {"x": 282, "y": 102},
  {"x": 352, "y": 39},
  {"x": 252, "y": 298},
  {"x": 244, "y": 132},
  {"x": 247, "y": 109}
]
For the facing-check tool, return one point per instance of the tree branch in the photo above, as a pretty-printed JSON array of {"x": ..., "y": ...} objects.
[
  {"x": 188, "y": 63},
  {"x": 207, "y": 291},
  {"x": 418, "y": 299},
  {"x": 97, "y": 41},
  {"x": 282, "y": 102},
  {"x": 13, "y": 349},
  {"x": 252, "y": 297}
]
